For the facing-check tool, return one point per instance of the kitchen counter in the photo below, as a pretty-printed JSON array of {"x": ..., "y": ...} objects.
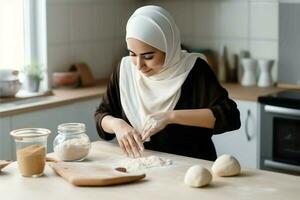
[
  {"x": 160, "y": 183},
  {"x": 249, "y": 93},
  {"x": 62, "y": 97}
]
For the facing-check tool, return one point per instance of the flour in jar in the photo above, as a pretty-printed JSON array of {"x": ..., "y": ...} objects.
[
  {"x": 142, "y": 163},
  {"x": 72, "y": 149}
]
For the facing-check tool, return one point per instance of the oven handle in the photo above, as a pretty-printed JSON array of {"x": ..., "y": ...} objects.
[
  {"x": 281, "y": 110},
  {"x": 281, "y": 166},
  {"x": 246, "y": 126}
]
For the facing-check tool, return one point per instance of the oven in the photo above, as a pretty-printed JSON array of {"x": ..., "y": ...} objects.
[{"x": 280, "y": 132}]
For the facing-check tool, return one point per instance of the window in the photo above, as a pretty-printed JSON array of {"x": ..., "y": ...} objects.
[
  {"x": 23, "y": 35},
  {"x": 12, "y": 49}
]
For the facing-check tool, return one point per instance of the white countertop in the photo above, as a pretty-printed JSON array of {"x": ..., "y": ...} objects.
[{"x": 160, "y": 183}]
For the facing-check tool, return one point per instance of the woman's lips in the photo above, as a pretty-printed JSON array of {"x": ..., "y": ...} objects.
[{"x": 146, "y": 71}]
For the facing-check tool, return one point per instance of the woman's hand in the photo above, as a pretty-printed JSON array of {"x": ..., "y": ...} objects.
[
  {"x": 155, "y": 123},
  {"x": 128, "y": 138}
]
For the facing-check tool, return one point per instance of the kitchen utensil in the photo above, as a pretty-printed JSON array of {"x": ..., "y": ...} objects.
[
  {"x": 249, "y": 66},
  {"x": 65, "y": 79},
  {"x": 85, "y": 75},
  {"x": 223, "y": 68},
  {"x": 31, "y": 148},
  {"x": 233, "y": 70},
  {"x": 8, "y": 88},
  {"x": 265, "y": 67},
  {"x": 93, "y": 174},
  {"x": 4, "y": 163}
]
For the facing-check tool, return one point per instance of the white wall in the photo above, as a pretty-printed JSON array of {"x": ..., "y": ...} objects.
[
  {"x": 239, "y": 24},
  {"x": 93, "y": 30},
  {"x": 90, "y": 31}
]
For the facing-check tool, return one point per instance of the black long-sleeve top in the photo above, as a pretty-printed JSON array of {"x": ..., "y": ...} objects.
[{"x": 201, "y": 89}]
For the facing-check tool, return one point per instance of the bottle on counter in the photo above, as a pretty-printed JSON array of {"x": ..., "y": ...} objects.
[
  {"x": 223, "y": 64},
  {"x": 72, "y": 143}
]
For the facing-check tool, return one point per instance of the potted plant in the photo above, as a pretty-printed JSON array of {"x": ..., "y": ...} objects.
[{"x": 33, "y": 74}]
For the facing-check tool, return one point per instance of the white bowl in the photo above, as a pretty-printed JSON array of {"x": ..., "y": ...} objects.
[
  {"x": 8, "y": 74},
  {"x": 9, "y": 88}
]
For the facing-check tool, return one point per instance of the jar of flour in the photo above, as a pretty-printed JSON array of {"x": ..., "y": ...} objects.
[{"x": 72, "y": 143}]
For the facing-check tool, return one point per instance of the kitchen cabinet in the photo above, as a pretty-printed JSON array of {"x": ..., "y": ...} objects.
[
  {"x": 80, "y": 111},
  {"x": 6, "y": 142},
  {"x": 244, "y": 142}
]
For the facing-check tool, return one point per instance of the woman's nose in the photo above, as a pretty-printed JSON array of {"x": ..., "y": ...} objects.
[{"x": 140, "y": 63}]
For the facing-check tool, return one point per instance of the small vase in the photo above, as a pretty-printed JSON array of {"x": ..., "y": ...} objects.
[
  {"x": 265, "y": 78},
  {"x": 249, "y": 76},
  {"x": 31, "y": 83}
]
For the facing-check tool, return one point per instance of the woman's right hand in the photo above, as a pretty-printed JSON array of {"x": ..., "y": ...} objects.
[{"x": 128, "y": 138}]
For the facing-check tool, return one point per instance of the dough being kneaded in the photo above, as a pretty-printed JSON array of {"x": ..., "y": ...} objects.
[
  {"x": 197, "y": 176},
  {"x": 226, "y": 165}
]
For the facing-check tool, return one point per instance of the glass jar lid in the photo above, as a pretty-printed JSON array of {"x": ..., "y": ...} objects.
[
  {"x": 26, "y": 133},
  {"x": 71, "y": 128}
]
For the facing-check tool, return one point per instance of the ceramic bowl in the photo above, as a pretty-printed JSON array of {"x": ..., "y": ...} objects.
[
  {"x": 8, "y": 88},
  {"x": 65, "y": 79},
  {"x": 8, "y": 74}
]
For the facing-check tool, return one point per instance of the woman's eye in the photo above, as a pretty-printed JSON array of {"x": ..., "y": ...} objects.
[
  {"x": 148, "y": 57},
  {"x": 131, "y": 54}
]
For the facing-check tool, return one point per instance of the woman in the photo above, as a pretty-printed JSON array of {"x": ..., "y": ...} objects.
[{"x": 162, "y": 98}]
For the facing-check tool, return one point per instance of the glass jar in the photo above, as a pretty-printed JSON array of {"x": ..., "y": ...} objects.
[
  {"x": 31, "y": 149},
  {"x": 72, "y": 143}
]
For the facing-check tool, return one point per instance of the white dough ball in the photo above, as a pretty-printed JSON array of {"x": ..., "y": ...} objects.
[
  {"x": 197, "y": 176},
  {"x": 226, "y": 165}
]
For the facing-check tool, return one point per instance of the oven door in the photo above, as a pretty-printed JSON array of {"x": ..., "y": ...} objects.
[{"x": 280, "y": 139}]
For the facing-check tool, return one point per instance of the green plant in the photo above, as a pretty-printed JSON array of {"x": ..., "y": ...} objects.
[{"x": 34, "y": 69}]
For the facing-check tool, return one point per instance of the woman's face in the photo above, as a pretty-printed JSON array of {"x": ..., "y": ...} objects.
[{"x": 148, "y": 59}]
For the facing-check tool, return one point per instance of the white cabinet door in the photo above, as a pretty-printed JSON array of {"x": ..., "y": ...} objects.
[
  {"x": 6, "y": 140},
  {"x": 242, "y": 143}
]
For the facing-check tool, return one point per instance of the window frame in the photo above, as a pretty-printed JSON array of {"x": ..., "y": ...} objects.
[{"x": 35, "y": 37}]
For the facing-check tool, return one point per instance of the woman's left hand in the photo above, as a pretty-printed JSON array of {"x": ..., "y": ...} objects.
[{"x": 155, "y": 123}]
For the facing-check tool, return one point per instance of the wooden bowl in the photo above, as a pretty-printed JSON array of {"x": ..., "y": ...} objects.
[{"x": 65, "y": 79}]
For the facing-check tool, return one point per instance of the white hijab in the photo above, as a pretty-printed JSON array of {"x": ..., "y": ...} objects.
[{"x": 141, "y": 95}]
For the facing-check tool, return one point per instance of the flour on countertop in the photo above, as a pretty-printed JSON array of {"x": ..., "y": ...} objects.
[{"x": 142, "y": 163}]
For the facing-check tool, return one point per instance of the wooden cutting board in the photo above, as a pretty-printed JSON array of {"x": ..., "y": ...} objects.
[
  {"x": 93, "y": 174},
  {"x": 4, "y": 163}
]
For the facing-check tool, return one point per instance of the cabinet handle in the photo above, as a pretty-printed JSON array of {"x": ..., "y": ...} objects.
[{"x": 246, "y": 125}]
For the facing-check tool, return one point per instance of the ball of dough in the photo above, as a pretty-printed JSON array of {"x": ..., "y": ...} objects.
[
  {"x": 197, "y": 176},
  {"x": 226, "y": 165}
]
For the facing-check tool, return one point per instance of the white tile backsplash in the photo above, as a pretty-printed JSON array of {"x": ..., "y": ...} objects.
[
  {"x": 86, "y": 31},
  {"x": 105, "y": 21},
  {"x": 94, "y": 30},
  {"x": 59, "y": 58},
  {"x": 82, "y": 53},
  {"x": 264, "y": 20},
  {"x": 234, "y": 19},
  {"x": 103, "y": 52},
  {"x": 58, "y": 23},
  {"x": 205, "y": 19},
  {"x": 81, "y": 22}
]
